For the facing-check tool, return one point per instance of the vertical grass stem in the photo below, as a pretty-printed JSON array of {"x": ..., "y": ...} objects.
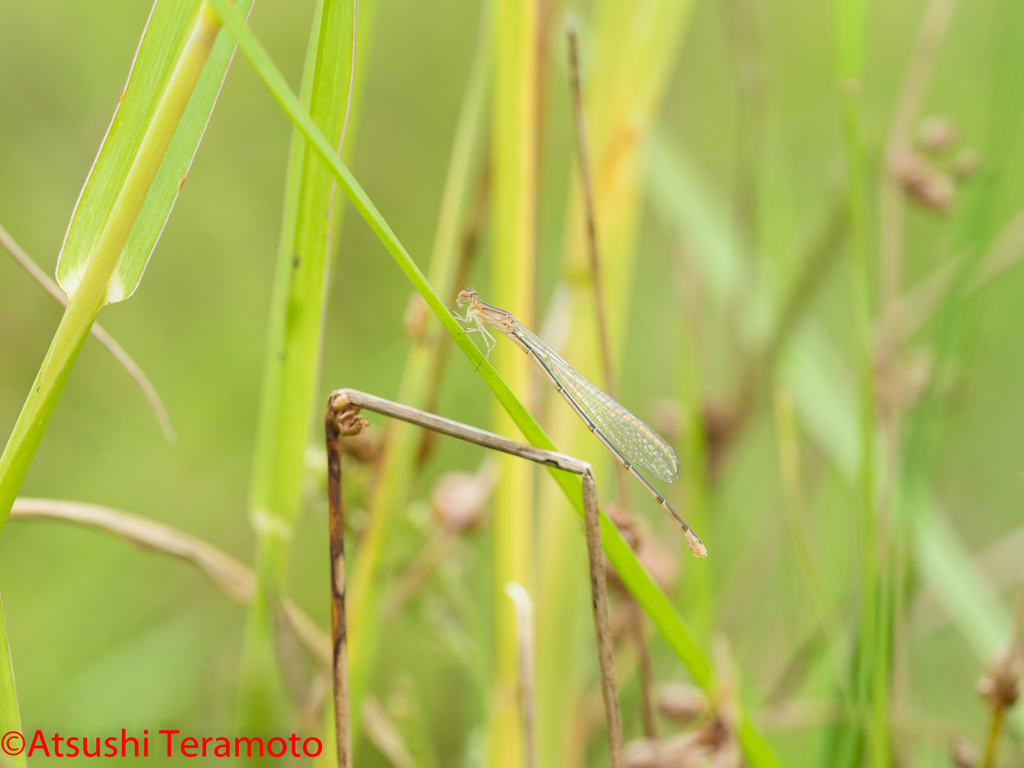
[
  {"x": 602, "y": 624},
  {"x": 91, "y": 293}
]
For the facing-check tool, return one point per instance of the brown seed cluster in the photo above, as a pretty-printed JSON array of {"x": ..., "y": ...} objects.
[
  {"x": 923, "y": 170},
  {"x": 1000, "y": 685}
]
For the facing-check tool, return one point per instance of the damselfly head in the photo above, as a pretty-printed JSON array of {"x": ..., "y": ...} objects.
[{"x": 466, "y": 297}]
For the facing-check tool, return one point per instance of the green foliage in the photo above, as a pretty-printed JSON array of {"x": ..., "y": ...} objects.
[
  {"x": 863, "y": 546},
  {"x": 294, "y": 344},
  {"x": 398, "y": 463},
  {"x": 94, "y": 271}
]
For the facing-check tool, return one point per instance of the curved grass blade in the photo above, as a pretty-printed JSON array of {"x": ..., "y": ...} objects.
[
  {"x": 637, "y": 580},
  {"x": 98, "y": 333},
  {"x": 163, "y": 40}
]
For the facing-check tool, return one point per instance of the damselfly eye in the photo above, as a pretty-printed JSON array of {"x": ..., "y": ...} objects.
[{"x": 466, "y": 297}]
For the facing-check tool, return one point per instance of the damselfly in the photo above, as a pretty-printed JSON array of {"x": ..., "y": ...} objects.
[{"x": 632, "y": 443}]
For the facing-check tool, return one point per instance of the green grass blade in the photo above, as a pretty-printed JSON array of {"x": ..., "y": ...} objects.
[
  {"x": 10, "y": 717},
  {"x": 397, "y": 467},
  {"x": 295, "y": 341},
  {"x": 91, "y": 288},
  {"x": 640, "y": 584},
  {"x": 513, "y": 271},
  {"x": 871, "y": 668}
]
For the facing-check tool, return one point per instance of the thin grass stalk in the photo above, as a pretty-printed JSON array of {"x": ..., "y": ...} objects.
[
  {"x": 762, "y": 362},
  {"x": 587, "y": 192},
  {"x": 292, "y": 359},
  {"x": 666, "y": 619},
  {"x": 422, "y": 369},
  {"x": 91, "y": 292},
  {"x": 695, "y": 589},
  {"x": 602, "y": 624},
  {"x": 513, "y": 267},
  {"x": 792, "y": 486},
  {"x": 871, "y": 670},
  {"x": 524, "y": 635},
  {"x": 116, "y": 350},
  {"x": 752, "y": 110},
  {"x": 635, "y": 45},
  {"x": 621, "y": 476},
  {"x": 10, "y": 716},
  {"x": 891, "y": 256}
]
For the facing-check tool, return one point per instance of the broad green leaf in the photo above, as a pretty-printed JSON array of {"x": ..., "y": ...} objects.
[{"x": 167, "y": 32}]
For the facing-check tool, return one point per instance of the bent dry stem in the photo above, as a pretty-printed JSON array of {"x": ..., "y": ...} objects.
[{"x": 343, "y": 408}]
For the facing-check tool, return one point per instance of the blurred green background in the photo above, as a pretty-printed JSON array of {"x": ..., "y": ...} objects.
[{"x": 105, "y": 636}]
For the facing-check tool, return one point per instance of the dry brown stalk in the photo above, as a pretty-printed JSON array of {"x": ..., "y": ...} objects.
[
  {"x": 602, "y": 625},
  {"x": 462, "y": 431},
  {"x": 587, "y": 185},
  {"x": 233, "y": 578},
  {"x": 586, "y": 182},
  {"x": 342, "y": 418}
]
